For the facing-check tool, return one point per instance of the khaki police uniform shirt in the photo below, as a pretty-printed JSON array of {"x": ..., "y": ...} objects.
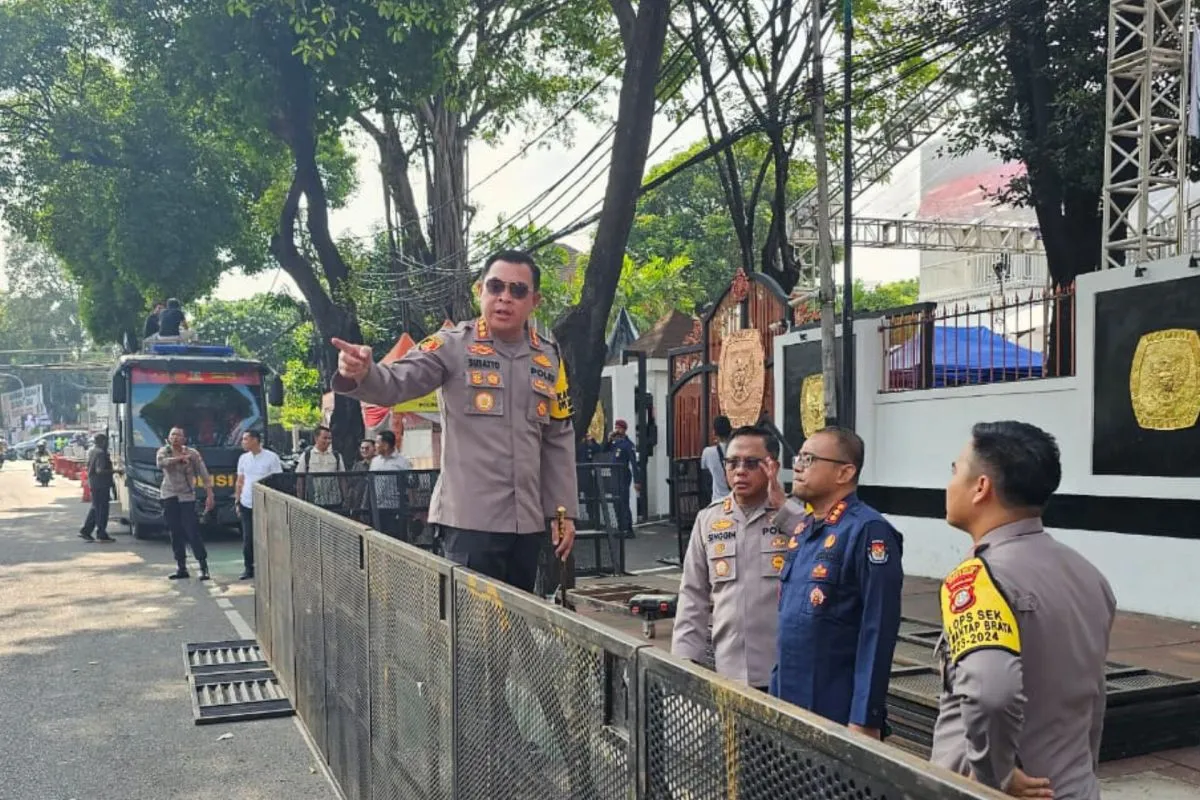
[
  {"x": 179, "y": 480},
  {"x": 1026, "y": 628},
  {"x": 731, "y": 581},
  {"x": 508, "y": 445}
]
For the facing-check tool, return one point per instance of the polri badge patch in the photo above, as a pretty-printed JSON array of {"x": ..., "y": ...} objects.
[{"x": 431, "y": 343}]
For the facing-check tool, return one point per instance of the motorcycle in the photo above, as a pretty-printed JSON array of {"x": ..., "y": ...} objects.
[{"x": 44, "y": 471}]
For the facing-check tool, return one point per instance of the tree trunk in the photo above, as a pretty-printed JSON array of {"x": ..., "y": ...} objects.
[
  {"x": 581, "y": 330},
  {"x": 447, "y": 207}
]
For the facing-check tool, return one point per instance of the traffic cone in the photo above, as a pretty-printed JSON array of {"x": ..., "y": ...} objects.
[{"x": 87, "y": 488}]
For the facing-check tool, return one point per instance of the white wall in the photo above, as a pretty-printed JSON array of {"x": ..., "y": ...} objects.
[
  {"x": 912, "y": 437},
  {"x": 624, "y": 385}
]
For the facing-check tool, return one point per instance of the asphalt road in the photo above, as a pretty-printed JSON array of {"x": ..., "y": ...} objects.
[{"x": 94, "y": 704}]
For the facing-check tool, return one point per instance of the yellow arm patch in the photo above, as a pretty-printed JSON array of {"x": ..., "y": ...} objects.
[
  {"x": 560, "y": 407},
  {"x": 975, "y": 614}
]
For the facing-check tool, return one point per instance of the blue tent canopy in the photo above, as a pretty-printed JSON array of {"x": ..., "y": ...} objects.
[{"x": 969, "y": 355}]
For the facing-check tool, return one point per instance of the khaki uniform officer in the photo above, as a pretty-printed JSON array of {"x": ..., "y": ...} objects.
[
  {"x": 1026, "y": 624},
  {"x": 731, "y": 570},
  {"x": 508, "y": 445}
]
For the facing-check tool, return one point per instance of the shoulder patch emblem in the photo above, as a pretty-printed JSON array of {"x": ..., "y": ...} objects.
[
  {"x": 877, "y": 551},
  {"x": 542, "y": 360},
  {"x": 431, "y": 343},
  {"x": 481, "y": 349},
  {"x": 975, "y": 613}
]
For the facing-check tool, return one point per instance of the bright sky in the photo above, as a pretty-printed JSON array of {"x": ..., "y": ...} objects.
[{"x": 518, "y": 184}]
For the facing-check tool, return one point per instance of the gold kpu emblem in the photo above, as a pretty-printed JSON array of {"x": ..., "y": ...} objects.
[
  {"x": 812, "y": 404},
  {"x": 1164, "y": 380},
  {"x": 741, "y": 376}
]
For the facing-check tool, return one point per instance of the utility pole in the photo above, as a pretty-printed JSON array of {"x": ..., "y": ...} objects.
[
  {"x": 824, "y": 244},
  {"x": 848, "y": 361}
]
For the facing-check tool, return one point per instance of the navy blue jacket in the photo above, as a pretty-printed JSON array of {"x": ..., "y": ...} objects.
[
  {"x": 839, "y": 614},
  {"x": 625, "y": 453}
]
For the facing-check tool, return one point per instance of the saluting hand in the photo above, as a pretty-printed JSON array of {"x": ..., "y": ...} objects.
[
  {"x": 354, "y": 360},
  {"x": 775, "y": 495}
]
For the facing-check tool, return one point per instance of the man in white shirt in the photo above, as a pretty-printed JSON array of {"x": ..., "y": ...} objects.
[
  {"x": 321, "y": 458},
  {"x": 713, "y": 458},
  {"x": 254, "y": 465},
  {"x": 389, "y": 489}
]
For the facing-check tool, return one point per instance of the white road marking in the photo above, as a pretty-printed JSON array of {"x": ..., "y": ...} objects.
[
  {"x": 224, "y": 603},
  {"x": 240, "y": 625}
]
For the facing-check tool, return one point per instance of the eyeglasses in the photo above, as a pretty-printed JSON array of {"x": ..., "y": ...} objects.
[
  {"x": 748, "y": 463},
  {"x": 496, "y": 287},
  {"x": 806, "y": 460}
]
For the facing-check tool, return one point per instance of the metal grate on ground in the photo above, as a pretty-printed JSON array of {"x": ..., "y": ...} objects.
[
  {"x": 237, "y": 696},
  {"x": 212, "y": 658}
]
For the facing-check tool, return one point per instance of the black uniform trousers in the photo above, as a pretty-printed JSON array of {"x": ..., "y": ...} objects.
[
  {"x": 508, "y": 557},
  {"x": 97, "y": 516},
  {"x": 185, "y": 530},
  {"x": 246, "y": 518}
]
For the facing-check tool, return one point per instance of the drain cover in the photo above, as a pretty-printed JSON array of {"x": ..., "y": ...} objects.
[
  {"x": 209, "y": 658},
  {"x": 236, "y": 696}
]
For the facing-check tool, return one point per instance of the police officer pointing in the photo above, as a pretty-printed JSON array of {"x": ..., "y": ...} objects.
[
  {"x": 839, "y": 606},
  {"x": 1026, "y": 623},
  {"x": 508, "y": 445},
  {"x": 731, "y": 569}
]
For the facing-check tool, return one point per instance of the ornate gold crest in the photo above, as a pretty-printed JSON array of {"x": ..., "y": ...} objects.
[
  {"x": 741, "y": 377},
  {"x": 597, "y": 430},
  {"x": 1164, "y": 380},
  {"x": 812, "y": 404}
]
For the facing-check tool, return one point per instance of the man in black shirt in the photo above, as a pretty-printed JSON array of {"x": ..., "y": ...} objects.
[
  {"x": 151, "y": 326},
  {"x": 171, "y": 320},
  {"x": 100, "y": 481}
]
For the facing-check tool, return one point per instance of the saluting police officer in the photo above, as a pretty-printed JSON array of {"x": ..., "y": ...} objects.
[
  {"x": 508, "y": 445},
  {"x": 1026, "y": 623},
  {"x": 839, "y": 605},
  {"x": 731, "y": 569}
]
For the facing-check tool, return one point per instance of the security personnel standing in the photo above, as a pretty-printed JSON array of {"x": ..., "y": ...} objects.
[
  {"x": 508, "y": 445},
  {"x": 839, "y": 606},
  {"x": 1026, "y": 623},
  {"x": 731, "y": 569}
]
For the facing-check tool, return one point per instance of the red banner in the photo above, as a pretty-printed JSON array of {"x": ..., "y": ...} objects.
[{"x": 142, "y": 375}]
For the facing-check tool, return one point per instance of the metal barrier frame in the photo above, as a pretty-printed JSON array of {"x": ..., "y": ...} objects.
[{"x": 418, "y": 678}]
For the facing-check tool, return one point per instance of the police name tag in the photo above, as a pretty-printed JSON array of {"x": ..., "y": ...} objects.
[{"x": 975, "y": 615}]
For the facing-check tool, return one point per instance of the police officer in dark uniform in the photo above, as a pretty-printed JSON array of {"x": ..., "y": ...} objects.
[
  {"x": 624, "y": 453},
  {"x": 839, "y": 600}
]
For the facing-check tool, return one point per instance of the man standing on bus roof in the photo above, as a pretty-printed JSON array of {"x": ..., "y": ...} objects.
[
  {"x": 182, "y": 467},
  {"x": 508, "y": 445}
]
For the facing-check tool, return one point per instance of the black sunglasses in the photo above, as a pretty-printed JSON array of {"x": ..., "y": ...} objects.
[{"x": 496, "y": 287}]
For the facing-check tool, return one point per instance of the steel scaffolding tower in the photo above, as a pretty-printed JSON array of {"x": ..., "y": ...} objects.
[{"x": 1145, "y": 157}]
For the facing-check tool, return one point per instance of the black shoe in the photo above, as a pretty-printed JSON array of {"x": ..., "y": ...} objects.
[
  {"x": 248, "y": 575},
  {"x": 87, "y": 537},
  {"x": 105, "y": 538},
  {"x": 204, "y": 576},
  {"x": 178, "y": 575}
]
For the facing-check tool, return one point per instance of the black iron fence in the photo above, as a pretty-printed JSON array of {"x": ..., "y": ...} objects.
[{"x": 420, "y": 679}]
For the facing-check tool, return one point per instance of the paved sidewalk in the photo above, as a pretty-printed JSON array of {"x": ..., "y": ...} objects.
[{"x": 93, "y": 700}]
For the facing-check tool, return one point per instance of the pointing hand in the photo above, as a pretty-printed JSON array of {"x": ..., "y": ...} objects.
[{"x": 354, "y": 360}]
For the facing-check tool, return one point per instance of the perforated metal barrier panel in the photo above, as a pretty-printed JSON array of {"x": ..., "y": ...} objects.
[{"x": 419, "y": 679}]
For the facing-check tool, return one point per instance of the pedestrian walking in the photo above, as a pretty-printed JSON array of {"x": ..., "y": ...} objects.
[
  {"x": 624, "y": 453},
  {"x": 731, "y": 570},
  {"x": 254, "y": 464},
  {"x": 508, "y": 445},
  {"x": 839, "y": 605},
  {"x": 1026, "y": 623},
  {"x": 100, "y": 482},
  {"x": 182, "y": 467},
  {"x": 326, "y": 492}
]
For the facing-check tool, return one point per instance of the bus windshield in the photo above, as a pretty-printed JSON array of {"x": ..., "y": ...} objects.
[{"x": 213, "y": 409}]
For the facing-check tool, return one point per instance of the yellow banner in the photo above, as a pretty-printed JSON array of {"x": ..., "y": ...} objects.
[{"x": 422, "y": 405}]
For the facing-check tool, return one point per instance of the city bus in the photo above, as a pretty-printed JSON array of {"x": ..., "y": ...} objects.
[{"x": 208, "y": 391}]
